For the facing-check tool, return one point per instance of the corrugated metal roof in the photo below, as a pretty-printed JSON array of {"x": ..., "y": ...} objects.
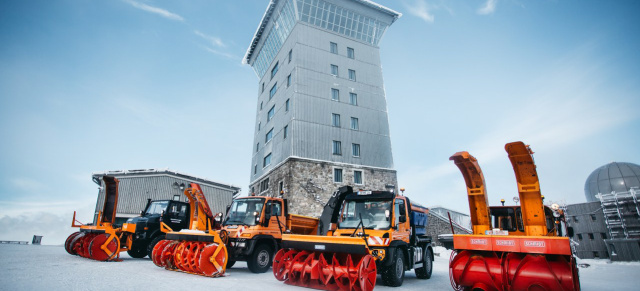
[{"x": 163, "y": 172}]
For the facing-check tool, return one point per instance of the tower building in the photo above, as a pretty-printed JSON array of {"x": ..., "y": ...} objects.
[{"x": 321, "y": 116}]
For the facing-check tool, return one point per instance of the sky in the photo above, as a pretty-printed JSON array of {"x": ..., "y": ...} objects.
[{"x": 91, "y": 86}]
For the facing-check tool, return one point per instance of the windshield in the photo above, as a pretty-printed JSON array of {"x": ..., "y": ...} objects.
[
  {"x": 244, "y": 211},
  {"x": 157, "y": 207},
  {"x": 375, "y": 214}
]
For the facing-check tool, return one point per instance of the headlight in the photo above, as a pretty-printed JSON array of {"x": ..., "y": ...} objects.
[{"x": 378, "y": 254}]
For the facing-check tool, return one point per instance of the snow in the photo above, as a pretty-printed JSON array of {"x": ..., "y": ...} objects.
[{"x": 33, "y": 267}]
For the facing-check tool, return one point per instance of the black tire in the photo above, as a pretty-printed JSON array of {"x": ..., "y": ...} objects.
[
  {"x": 393, "y": 275},
  {"x": 153, "y": 243},
  {"x": 138, "y": 252},
  {"x": 230, "y": 264},
  {"x": 425, "y": 271},
  {"x": 261, "y": 259}
]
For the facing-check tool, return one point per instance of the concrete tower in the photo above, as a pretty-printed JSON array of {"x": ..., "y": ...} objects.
[{"x": 321, "y": 117}]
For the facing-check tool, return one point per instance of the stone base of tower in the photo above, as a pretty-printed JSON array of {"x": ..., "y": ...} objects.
[{"x": 308, "y": 184}]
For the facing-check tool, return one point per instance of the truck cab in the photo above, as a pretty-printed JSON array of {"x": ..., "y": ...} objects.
[
  {"x": 394, "y": 228},
  {"x": 145, "y": 228},
  {"x": 509, "y": 220},
  {"x": 255, "y": 225}
]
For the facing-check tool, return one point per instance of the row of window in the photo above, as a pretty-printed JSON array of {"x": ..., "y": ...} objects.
[
  {"x": 333, "y": 47},
  {"x": 335, "y": 96},
  {"x": 591, "y": 236},
  {"x": 575, "y": 218},
  {"x": 335, "y": 121},
  {"x": 269, "y": 136},
  {"x": 336, "y": 72},
  {"x": 337, "y": 176},
  {"x": 337, "y": 149}
]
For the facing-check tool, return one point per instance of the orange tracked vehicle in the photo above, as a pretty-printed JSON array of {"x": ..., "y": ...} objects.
[
  {"x": 363, "y": 233},
  {"x": 524, "y": 248},
  {"x": 198, "y": 250},
  {"x": 103, "y": 240},
  {"x": 254, "y": 226}
]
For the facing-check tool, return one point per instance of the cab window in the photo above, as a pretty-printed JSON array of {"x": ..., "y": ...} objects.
[
  {"x": 276, "y": 208},
  {"x": 399, "y": 204}
]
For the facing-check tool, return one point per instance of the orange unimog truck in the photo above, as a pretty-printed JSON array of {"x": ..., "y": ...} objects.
[
  {"x": 362, "y": 234},
  {"x": 254, "y": 226}
]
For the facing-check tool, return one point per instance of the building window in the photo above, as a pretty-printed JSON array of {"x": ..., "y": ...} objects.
[
  {"x": 591, "y": 236},
  {"x": 267, "y": 160},
  {"x": 335, "y": 119},
  {"x": 273, "y": 90},
  {"x": 593, "y": 217},
  {"x": 334, "y": 48},
  {"x": 575, "y": 219},
  {"x": 351, "y": 53},
  {"x": 259, "y": 125},
  {"x": 334, "y": 70},
  {"x": 337, "y": 175},
  {"x": 271, "y": 112},
  {"x": 286, "y": 105},
  {"x": 290, "y": 54},
  {"x": 260, "y": 105},
  {"x": 264, "y": 185},
  {"x": 603, "y": 235},
  {"x": 353, "y": 99},
  {"x": 289, "y": 80},
  {"x": 257, "y": 147},
  {"x": 352, "y": 75},
  {"x": 335, "y": 94},
  {"x": 337, "y": 147},
  {"x": 354, "y": 123},
  {"x": 579, "y": 236},
  {"x": 274, "y": 70},
  {"x": 357, "y": 177},
  {"x": 355, "y": 149},
  {"x": 255, "y": 170},
  {"x": 268, "y": 136},
  {"x": 262, "y": 87},
  {"x": 286, "y": 131}
]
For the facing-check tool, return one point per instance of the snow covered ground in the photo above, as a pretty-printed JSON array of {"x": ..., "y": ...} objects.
[{"x": 29, "y": 267}]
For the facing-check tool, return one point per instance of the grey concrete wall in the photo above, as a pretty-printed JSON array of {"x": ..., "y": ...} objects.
[{"x": 579, "y": 216}]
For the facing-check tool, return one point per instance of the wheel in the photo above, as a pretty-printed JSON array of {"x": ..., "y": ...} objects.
[
  {"x": 230, "y": 264},
  {"x": 427, "y": 266},
  {"x": 394, "y": 274},
  {"x": 137, "y": 252},
  {"x": 152, "y": 244},
  {"x": 261, "y": 259}
]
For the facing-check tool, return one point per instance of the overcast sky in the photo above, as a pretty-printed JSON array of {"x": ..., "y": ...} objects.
[{"x": 89, "y": 86}]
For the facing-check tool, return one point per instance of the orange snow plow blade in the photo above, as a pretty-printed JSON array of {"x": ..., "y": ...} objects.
[{"x": 325, "y": 262}]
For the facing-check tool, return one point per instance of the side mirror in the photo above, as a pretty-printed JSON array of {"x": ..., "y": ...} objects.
[
  {"x": 218, "y": 217},
  {"x": 403, "y": 218},
  {"x": 141, "y": 212},
  {"x": 570, "y": 231}
]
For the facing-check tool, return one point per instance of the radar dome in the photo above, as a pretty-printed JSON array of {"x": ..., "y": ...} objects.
[{"x": 612, "y": 177}]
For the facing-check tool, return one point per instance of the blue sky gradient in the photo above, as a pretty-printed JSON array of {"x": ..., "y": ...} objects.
[{"x": 88, "y": 86}]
